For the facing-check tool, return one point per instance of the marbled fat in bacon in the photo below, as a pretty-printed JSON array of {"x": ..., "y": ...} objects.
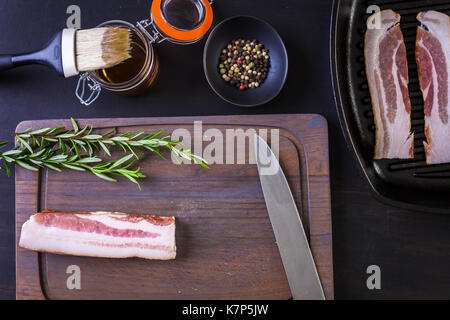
[
  {"x": 387, "y": 74},
  {"x": 433, "y": 61},
  {"x": 100, "y": 234}
]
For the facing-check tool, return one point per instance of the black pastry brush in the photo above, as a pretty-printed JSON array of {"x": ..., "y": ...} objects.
[{"x": 72, "y": 51}]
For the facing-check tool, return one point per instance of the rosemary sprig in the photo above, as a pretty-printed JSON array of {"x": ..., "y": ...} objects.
[
  {"x": 84, "y": 139},
  {"x": 59, "y": 148},
  {"x": 56, "y": 160}
]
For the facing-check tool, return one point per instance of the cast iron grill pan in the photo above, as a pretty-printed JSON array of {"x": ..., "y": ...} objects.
[{"x": 405, "y": 183}]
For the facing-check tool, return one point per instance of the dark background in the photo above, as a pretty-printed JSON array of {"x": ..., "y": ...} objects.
[{"x": 411, "y": 248}]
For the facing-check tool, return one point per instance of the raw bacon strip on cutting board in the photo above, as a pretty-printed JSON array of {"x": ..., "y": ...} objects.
[
  {"x": 433, "y": 61},
  {"x": 387, "y": 74},
  {"x": 100, "y": 234}
]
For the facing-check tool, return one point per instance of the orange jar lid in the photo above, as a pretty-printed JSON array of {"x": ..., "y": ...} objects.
[{"x": 178, "y": 34}]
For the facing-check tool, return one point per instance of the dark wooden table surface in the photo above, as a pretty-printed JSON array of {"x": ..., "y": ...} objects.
[{"x": 411, "y": 248}]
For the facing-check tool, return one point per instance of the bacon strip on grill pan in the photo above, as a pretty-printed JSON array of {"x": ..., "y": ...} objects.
[
  {"x": 101, "y": 234},
  {"x": 433, "y": 61},
  {"x": 387, "y": 74}
]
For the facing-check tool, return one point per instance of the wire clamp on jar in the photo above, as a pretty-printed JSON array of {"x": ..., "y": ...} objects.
[
  {"x": 154, "y": 36},
  {"x": 94, "y": 88}
]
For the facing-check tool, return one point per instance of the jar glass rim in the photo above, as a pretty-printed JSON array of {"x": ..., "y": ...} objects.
[
  {"x": 177, "y": 35},
  {"x": 201, "y": 11}
]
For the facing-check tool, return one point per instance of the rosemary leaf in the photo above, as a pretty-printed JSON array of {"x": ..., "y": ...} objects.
[
  {"x": 51, "y": 166},
  {"x": 93, "y": 137},
  {"x": 119, "y": 162},
  {"x": 12, "y": 152},
  {"x": 36, "y": 162},
  {"x": 66, "y": 136},
  {"x": 25, "y": 144},
  {"x": 120, "y": 139},
  {"x": 73, "y": 167},
  {"x": 104, "y": 176},
  {"x": 74, "y": 124},
  {"x": 109, "y": 133},
  {"x": 89, "y": 160},
  {"x": 58, "y": 158},
  {"x": 40, "y": 131},
  {"x": 26, "y": 165},
  {"x": 7, "y": 168},
  {"x": 82, "y": 131},
  {"x": 105, "y": 149}
]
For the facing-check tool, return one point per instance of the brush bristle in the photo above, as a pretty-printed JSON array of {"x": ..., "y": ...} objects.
[{"x": 102, "y": 48}]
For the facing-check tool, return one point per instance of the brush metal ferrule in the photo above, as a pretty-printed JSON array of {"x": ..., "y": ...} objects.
[{"x": 68, "y": 53}]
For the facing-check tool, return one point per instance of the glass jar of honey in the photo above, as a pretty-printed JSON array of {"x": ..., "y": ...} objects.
[{"x": 177, "y": 21}]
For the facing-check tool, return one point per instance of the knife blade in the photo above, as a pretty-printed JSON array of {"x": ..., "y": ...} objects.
[{"x": 290, "y": 235}]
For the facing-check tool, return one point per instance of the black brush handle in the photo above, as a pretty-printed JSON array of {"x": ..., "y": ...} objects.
[
  {"x": 9, "y": 61},
  {"x": 6, "y": 62},
  {"x": 50, "y": 56}
]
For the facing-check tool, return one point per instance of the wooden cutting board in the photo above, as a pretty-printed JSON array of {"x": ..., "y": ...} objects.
[{"x": 225, "y": 243}]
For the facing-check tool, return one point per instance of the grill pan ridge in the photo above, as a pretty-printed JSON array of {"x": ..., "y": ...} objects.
[{"x": 405, "y": 183}]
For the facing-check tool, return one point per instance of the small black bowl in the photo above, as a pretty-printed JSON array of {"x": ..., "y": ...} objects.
[{"x": 249, "y": 28}]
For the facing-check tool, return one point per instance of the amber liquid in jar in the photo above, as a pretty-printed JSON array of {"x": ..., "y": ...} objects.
[
  {"x": 134, "y": 75},
  {"x": 128, "y": 69}
]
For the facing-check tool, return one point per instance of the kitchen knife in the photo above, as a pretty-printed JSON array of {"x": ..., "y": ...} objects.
[{"x": 287, "y": 226}]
